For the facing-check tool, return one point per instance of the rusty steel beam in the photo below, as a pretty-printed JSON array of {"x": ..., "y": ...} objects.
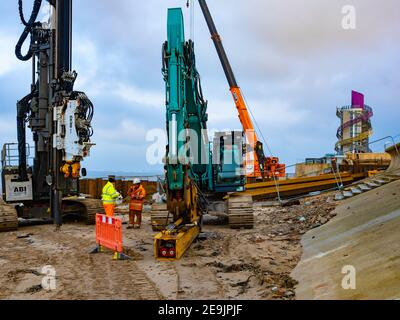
[
  {"x": 301, "y": 186},
  {"x": 297, "y": 181},
  {"x": 286, "y": 188}
]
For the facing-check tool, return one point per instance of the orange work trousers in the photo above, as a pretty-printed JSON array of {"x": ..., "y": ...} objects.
[
  {"x": 109, "y": 209},
  {"x": 135, "y": 217}
]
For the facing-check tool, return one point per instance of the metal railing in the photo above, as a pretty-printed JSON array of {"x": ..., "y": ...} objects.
[
  {"x": 10, "y": 155},
  {"x": 388, "y": 144}
]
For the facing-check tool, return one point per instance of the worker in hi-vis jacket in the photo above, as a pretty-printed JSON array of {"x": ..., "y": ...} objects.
[
  {"x": 137, "y": 193},
  {"x": 109, "y": 197}
]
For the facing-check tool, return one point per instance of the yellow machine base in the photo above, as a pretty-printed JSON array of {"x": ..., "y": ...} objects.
[{"x": 170, "y": 246}]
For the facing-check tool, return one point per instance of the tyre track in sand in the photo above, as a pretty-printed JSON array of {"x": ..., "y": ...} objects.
[
  {"x": 81, "y": 276},
  {"x": 98, "y": 277}
]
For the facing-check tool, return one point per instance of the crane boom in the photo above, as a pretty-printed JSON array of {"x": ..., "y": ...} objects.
[{"x": 258, "y": 165}]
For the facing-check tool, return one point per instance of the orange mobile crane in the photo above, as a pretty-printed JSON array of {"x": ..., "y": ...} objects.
[{"x": 258, "y": 166}]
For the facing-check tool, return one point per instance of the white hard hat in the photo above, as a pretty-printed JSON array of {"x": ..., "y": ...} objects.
[{"x": 136, "y": 181}]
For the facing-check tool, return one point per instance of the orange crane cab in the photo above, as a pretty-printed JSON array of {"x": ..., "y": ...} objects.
[{"x": 258, "y": 167}]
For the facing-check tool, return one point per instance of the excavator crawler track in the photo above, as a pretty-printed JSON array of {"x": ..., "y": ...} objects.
[
  {"x": 241, "y": 212},
  {"x": 8, "y": 218},
  {"x": 160, "y": 217},
  {"x": 87, "y": 208}
]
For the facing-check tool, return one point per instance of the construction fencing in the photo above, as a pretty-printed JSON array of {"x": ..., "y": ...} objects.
[{"x": 109, "y": 233}]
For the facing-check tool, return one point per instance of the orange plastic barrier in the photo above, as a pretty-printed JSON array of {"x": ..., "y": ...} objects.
[{"x": 109, "y": 232}]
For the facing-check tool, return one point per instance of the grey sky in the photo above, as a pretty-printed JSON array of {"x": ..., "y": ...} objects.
[{"x": 292, "y": 59}]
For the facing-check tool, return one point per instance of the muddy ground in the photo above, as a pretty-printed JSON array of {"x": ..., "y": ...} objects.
[{"x": 228, "y": 264}]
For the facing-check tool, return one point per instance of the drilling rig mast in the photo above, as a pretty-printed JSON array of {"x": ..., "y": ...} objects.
[{"x": 59, "y": 119}]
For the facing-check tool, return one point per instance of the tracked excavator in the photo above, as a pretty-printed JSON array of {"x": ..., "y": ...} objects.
[
  {"x": 198, "y": 173},
  {"x": 44, "y": 186},
  {"x": 258, "y": 166}
]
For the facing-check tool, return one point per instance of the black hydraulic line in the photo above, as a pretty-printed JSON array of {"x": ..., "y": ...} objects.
[
  {"x": 84, "y": 114},
  {"x": 29, "y": 25},
  {"x": 191, "y": 63},
  {"x": 22, "y": 111},
  {"x": 218, "y": 45}
]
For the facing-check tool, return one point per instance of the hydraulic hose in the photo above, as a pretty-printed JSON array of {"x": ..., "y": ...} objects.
[
  {"x": 164, "y": 56},
  {"x": 190, "y": 59},
  {"x": 22, "y": 111},
  {"x": 85, "y": 113},
  {"x": 29, "y": 25}
]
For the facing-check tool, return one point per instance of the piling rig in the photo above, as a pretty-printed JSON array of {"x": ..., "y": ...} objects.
[
  {"x": 60, "y": 120},
  {"x": 199, "y": 174}
]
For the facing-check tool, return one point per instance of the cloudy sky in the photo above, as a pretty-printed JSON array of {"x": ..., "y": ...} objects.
[{"x": 292, "y": 58}]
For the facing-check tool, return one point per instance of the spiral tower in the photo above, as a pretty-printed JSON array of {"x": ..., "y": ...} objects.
[{"x": 356, "y": 127}]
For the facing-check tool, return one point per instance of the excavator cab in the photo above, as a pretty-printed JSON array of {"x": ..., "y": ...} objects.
[{"x": 228, "y": 162}]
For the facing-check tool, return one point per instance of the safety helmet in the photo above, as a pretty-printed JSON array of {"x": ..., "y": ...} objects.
[{"x": 136, "y": 181}]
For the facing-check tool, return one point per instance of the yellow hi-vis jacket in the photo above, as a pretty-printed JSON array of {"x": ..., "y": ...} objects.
[{"x": 109, "y": 194}]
